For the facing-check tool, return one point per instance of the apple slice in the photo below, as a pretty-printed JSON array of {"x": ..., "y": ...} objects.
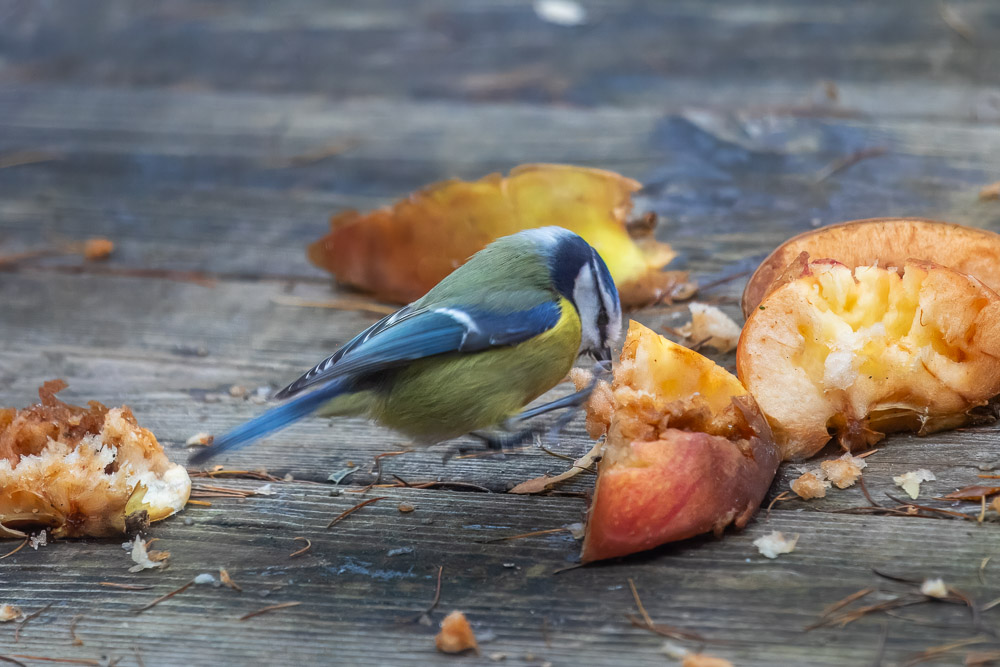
[
  {"x": 886, "y": 242},
  {"x": 861, "y": 352},
  {"x": 687, "y": 452}
]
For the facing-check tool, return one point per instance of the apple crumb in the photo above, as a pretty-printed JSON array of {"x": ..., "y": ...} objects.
[
  {"x": 934, "y": 588},
  {"x": 811, "y": 484},
  {"x": 845, "y": 471},
  {"x": 9, "y": 612},
  {"x": 775, "y": 543},
  {"x": 456, "y": 635},
  {"x": 711, "y": 325},
  {"x": 910, "y": 481},
  {"x": 703, "y": 660}
]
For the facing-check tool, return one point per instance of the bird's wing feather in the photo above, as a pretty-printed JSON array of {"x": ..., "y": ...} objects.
[{"x": 415, "y": 333}]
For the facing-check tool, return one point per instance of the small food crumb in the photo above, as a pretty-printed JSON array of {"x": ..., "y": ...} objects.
[
  {"x": 399, "y": 551},
  {"x": 845, "y": 471},
  {"x": 991, "y": 191},
  {"x": 265, "y": 490},
  {"x": 39, "y": 540},
  {"x": 934, "y": 588},
  {"x": 405, "y": 508},
  {"x": 145, "y": 560},
  {"x": 577, "y": 530},
  {"x": 711, "y": 325},
  {"x": 456, "y": 635},
  {"x": 97, "y": 249},
  {"x": 238, "y": 391},
  {"x": 9, "y": 612},
  {"x": 811, "y": 484},
  {"x": 910, "y": 481},
  {"x": 673, "y": 650},
  {"x": 775, "y": 544},
  {"x": 498, "y": 657},
  {"x": 702, "y": 660},
  {"x": 200, "y": 439},
  {"x": 561, "y": 12},
  {"x": 205, "y": 579}
]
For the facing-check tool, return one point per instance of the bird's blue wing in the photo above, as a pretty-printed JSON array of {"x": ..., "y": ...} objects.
[{"x": 415, "y": 333}]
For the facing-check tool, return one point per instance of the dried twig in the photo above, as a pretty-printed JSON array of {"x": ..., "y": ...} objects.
[
  {"x": 29, "y": 156},
  {"x": 434, "y": 602},
  {"x": 34, "y": 614},
  {"x": 982, "y": 569},
  {"x": 864, "y": 490},
  {"x": 228, "y": 581},
  {"x": 16, "y": 549},
  {"x": 265, "y": 610},
  {"x": 304, "y": 549},
  {"x": 139, "y": 610},
  {"x": 69, "y": 661},
  {"x": 12, "y": 661},
  {"x": 840, "y": 164},
  {"x": 72, "y": 630},
  {"x": 343, "y": 515},
  {"x": 547, "y": 531},
  {"x": 657, "y": 628},
  {"x": 840, "y": 604},
  {"x": 784, "y": 495},
  {"x": 937, "y": 651},
  {"x": 927, "y": 508},
  {"x": 127, "y": 587}
]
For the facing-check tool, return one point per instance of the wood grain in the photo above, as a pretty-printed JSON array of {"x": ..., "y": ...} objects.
[{"x": 212, "y": 140}]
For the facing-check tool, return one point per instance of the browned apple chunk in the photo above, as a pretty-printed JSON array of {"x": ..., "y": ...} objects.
[
  {"x": 688, "y": 451},
  {"x": 855, "y": 353},
  {"x": 886, "y": 242},
  {"x": 82, "y": 471}
]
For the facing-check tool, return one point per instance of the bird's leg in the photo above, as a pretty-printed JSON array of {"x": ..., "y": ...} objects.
[
  {"x": 576, "y": 400},
  {"x": 503, "y": 440},
  {"x": 511, "y": 436}
]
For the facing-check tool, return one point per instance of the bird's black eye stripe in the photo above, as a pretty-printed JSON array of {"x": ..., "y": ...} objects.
[{"x": 602, "y": 319}]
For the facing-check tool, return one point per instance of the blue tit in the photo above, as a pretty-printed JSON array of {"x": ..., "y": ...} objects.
[{"x": 495, "y": 334}]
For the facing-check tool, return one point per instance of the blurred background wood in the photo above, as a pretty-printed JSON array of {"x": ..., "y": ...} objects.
[{"x": 212, "y": 140}]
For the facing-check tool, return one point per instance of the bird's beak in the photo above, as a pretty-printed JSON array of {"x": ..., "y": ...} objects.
[{"x": 603, "y": 355}]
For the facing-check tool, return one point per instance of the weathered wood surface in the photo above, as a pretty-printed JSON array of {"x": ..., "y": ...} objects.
[{"x": 173, "y": 128}]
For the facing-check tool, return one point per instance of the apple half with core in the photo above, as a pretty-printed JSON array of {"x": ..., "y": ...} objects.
[
  {"x": 687, "y": 450},
  {"x": 857, "y": 352}
]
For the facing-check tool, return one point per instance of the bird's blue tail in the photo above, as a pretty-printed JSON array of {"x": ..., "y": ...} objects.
[{"x": 274, "y": 419}]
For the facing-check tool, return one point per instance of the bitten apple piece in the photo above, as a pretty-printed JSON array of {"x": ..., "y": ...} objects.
[
  {"x": 885, "y": 242},
  {"x": 688, "y": 451},
  {"x": 82, "y": 471},
  {"x": 858, "y": 353}
]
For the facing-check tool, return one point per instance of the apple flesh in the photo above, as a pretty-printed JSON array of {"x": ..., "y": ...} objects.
[
  {"x": 886, "y": 242},
  {"x": 687, "y": 452},
  {"x": 859, "y": 352}
]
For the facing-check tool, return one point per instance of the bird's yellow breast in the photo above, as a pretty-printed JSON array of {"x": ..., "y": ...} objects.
[{"x": 449, "y": 395}]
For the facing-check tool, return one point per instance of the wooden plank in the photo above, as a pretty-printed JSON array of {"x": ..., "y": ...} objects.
[
  {"x": 355, "y": 585},
  {"x": 731, "y": 54},
  {"x": 195, "y": 166}
]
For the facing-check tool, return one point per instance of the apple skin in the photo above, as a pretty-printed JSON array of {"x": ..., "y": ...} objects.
[
  {"x": 688, "y": 450},
  {"x": 684, "y": 484},
  {"x": 888, "y": 242}
]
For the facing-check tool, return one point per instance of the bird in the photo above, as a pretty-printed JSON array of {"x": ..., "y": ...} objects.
[{"x": 492, "y": 336}]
